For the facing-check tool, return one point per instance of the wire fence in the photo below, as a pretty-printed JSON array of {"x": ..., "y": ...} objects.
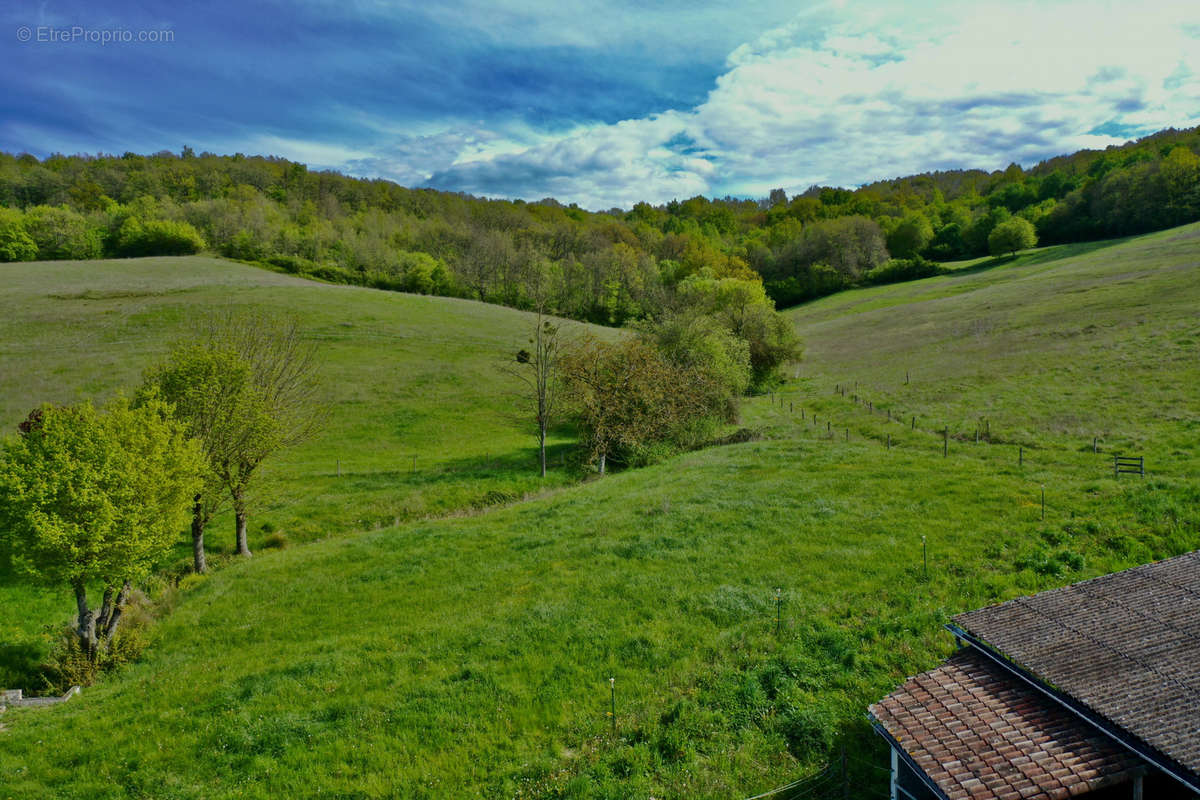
[
  {"x": 895, "y": 428},
  {"x": 838, "y": 780}
]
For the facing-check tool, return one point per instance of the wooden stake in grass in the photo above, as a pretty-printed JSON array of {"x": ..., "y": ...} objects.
[
  {"x": 1020, "y": 456},
  {"x": 612, "y": 691},
  {"x": 889, "y": 444},
  {"x": 914, "y": 423},
  {"x": 945, "y": 442},
  {"x": 847, "y": 434},
  {"x": 1095, "y": 445},
  {"x": 906, "y": 377},
  {"x": 339, "y": 468}
]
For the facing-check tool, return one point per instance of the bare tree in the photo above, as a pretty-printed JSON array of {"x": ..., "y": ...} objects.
[
  {"x": 276, "y": 408},
  {"x": 537, "y": 369}
]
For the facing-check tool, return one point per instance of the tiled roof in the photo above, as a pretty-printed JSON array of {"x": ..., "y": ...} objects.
[
  {"x": 1126, "y": 645},
  {"x": 980, "y": 733}
]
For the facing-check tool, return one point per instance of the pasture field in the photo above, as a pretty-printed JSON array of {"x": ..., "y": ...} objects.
[
  {"x": 470, "y": 656},
  {"x": 419, "y": 418}
]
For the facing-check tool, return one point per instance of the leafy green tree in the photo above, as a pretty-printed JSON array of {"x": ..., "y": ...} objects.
[
  {"x": 15, "y": 243},
  {"x": 976, "y": 235},
  {"x": 910, "y": 237},
  {"x": 852, "y": 245},
  {"x": 95, "y": 497},
  {"x": 694, "y": 340},
  {"x": 628, "y": 400},
  {"x": 746, "y": 311},
  {"x": 1011, "y": 236},
  {"x": 1180, "y": 172},
  {"x": 948, "y": 243},
  {"x": 61, "y": 232},
  {"x": 212, "y": 392}
]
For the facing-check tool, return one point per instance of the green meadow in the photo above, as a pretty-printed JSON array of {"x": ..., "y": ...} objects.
[
  {"x": 748, "y": 601},
  {"x": 419, "y": 419}
]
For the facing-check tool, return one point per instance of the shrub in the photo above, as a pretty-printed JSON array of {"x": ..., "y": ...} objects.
[
  {"x": 899, "y": 270},
  {"x": 293, "y": 264},
  {"x": 158, "y": 237},
  {"x": 274, "y": 541},
  {"x": 817, "y": 280},
  {"x": 69, "y": 664}
]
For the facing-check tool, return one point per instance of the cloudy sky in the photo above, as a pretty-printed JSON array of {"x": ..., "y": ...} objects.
[{"x": 600, "y": 103}]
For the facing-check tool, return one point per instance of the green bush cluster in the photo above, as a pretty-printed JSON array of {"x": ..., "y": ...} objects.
[{"x": 898, "y": 270}]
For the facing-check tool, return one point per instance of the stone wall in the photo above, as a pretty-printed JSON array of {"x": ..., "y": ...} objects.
[{"x": 16, "y": 698}]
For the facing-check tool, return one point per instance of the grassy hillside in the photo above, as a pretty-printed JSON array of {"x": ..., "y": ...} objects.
[
  {"x": 419, "y": 417},
  {"x": 470, "y": 657},
  {"x": 1048, "y": 350}
]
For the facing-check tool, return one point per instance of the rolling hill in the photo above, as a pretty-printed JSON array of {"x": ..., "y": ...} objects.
[
  {"x": 419, "y": 418},
  {"x": 471, "y": 656}
]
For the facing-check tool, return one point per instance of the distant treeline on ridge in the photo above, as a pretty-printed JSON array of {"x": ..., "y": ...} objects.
[{"x": 608, "y": 267}]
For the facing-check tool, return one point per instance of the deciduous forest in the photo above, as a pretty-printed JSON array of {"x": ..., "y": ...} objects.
[{"x": 608, "y": 267}]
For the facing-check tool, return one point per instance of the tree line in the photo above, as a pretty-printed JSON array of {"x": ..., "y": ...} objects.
[{"x": 609, "y": 267}]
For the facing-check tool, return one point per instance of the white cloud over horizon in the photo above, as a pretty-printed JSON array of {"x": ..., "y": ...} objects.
[
  {"x": 608, "y": 103},
  {"x": 877, "y": 96}
]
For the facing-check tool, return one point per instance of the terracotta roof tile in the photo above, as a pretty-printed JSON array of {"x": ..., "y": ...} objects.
[{"x": 1039, "y": 750}]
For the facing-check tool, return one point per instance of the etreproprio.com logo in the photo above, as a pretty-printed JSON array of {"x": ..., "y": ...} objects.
[{"x": 80, "y": 34}]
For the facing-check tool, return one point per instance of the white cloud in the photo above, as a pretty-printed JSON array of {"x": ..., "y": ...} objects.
[{"x": 867, "y": 93}]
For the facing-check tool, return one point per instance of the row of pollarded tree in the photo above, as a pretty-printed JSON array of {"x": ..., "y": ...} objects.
[{"x": 96, "y": 496}]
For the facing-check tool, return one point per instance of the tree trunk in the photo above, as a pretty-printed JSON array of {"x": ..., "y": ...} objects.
[
  {"x": 542, "y": 448},
  {"x": 239, "y": 514},
  {"x": 110, "y": 626},
  {"x": 86, "y": 624},
  {"x": 105, "y": 608},
  {"x": 199, "y": 562},
  {"x": 603, "y": 457}
]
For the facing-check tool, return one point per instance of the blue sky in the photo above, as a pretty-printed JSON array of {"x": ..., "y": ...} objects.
[{"x": 602, "y": 104}]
